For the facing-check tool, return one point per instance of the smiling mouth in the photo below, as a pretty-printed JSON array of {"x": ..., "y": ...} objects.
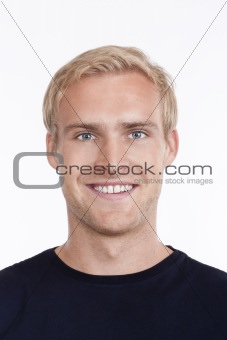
[{"x": 113, "y": 190}]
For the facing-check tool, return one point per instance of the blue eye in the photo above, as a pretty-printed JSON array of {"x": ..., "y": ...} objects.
[
  {"x": 85, "y": 136},
  {"x": 137, "y": 135}
]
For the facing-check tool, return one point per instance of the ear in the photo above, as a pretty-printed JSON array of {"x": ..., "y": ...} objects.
[
  {"x": 172, "y": 144},
  {"x": 51, "y": 147}
]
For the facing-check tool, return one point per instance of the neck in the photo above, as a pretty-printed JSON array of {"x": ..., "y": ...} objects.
[{"x": 98, "y": 254}]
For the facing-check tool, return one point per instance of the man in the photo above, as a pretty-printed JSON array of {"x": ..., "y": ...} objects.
[{"x": 112, "y": 116}]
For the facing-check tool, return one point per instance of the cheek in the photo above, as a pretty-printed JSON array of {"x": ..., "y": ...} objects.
[
  {"x": 73, "y": 155},
  {"x": 152, "y": 152}
]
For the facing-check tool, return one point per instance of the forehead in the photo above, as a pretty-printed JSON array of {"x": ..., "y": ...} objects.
[{"x": 108, "y": 98}]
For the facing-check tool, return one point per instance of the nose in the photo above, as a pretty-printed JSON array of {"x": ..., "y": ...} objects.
[{"x": 110, "y": 155}]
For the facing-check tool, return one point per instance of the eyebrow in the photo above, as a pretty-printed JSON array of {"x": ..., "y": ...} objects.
[{"x": 98, "y": 126}]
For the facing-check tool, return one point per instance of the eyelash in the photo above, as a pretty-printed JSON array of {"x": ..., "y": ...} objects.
[
  {"x": 88, "y": 133},
  {"x": 139, "y": 131},
  {"x": 84, "y": 133}
]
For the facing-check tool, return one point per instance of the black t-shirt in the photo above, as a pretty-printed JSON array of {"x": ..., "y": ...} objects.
[{"x": 178, "y": 298}]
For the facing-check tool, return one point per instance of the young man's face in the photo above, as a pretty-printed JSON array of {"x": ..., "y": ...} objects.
[{"x": 107, "y": 105}]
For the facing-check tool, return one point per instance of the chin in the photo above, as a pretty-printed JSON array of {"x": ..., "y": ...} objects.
[{"x": 115, "y": 225}]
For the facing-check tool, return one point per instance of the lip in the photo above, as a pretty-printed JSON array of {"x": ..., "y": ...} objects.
[
  {"x": 106, "y": 183},
  {"x": 112, "y": 197}
]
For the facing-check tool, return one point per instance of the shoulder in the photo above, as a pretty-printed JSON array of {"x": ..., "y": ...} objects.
[
  {"x": 204, "y": 273},
  {"x": 16, "y": 284},
  {"x": 26, "y": 270},
  {"x": 209, "y": 286},
  {"x": 194, "y": 271}
]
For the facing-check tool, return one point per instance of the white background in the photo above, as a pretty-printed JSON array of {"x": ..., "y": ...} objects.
[{"x": 192, "y": 217}]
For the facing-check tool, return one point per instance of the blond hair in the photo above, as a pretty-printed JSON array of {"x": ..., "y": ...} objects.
[{"x": 109, "y": 59}]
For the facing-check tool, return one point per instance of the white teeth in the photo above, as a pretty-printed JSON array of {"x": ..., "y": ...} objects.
[
  {"x": 117, "y": 189},
  {"x": 110, "y": 189},
  {"x": 104, "y": 189}
]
